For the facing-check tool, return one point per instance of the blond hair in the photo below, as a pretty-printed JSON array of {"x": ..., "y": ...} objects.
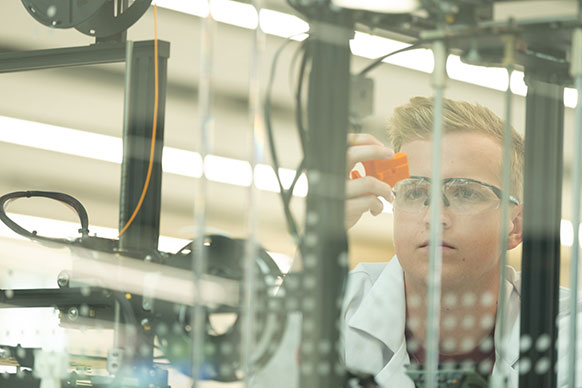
[{"x": 414, "y": 121}]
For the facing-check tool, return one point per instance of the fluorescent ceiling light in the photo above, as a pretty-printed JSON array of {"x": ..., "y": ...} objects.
[
  {"x": 182, "y": 162},
  {"x": 382, "y": 6},
  {"x": 227, "y": 170},
  {"x": 567, "y": 233},
  {"x": 196, "y": 8},
  {"x": 234, "y": 13},
  {"x": 518, "y": 85},
  {"x": 489, "y": 77},
  {"x": 570, "y": 97},
  {"x": 58, "y": 139},
  {"x": 174, "y": 161},
  {"x": 363, "y": 45},
  {"x": 266, "y": 180},
  {"x": 282, "y": 24},
  {"x": 372, "y": 47}
]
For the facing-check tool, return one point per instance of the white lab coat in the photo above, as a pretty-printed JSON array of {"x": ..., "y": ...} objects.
[{"x": 374, "y": 314}]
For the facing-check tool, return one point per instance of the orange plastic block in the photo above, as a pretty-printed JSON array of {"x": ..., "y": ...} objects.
[{"x": 389, "y": 171}]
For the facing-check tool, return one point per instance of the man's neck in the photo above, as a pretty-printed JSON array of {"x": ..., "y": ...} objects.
[{"x": 467, "y": 312}]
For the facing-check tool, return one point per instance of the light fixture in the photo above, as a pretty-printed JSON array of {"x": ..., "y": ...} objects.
[
  {"x": 364, "y": 45},
  {"x": 174, "y": 160},
  {"x": 382, "y": 6}
]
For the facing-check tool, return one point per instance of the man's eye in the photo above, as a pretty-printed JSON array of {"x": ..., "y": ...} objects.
[
  {"x": 415, "y": 193},
  {"x": 468, "y": 194}
]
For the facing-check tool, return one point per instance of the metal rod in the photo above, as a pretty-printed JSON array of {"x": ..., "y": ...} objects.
[
  {"x": 576, "y": 71},
  {"x": 116, "y": 326},
  {"x": 205, "y": 122},
  {"x": 127, "y": 93},
  {"x": 435, "y": 258},
  {"x": 258, "y": 139},
  {"x": 506, "y": 188}
]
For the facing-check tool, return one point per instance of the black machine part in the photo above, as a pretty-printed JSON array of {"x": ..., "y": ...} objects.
[
  {"x": 225, "y": 258},
  {"x": 105, "y": 22},
  {"x": 97, "y": 18},
  {"x": 170, "y": 322},
  {"x": 62, "y": 13}
]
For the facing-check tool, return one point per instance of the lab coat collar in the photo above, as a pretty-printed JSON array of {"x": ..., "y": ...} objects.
[
  {"x": 509, "y": 341},
  {"x": 386, "y": 301}
]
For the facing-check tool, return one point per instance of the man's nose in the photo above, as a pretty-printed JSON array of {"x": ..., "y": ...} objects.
[
  {"x": 445, "y": 216},
  {"x": 445, "y": 201}
]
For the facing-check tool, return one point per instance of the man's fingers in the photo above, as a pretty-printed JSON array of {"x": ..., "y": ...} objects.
[
  {"x": 355, "y": 207},
  {"x": 368, "y": 186},
  {"x": 362, "y": 193},
  {"x": 363, "y": 204},
  {"x": 361, "y": 153}
]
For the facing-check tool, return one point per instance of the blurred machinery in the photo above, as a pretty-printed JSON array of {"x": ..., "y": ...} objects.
[
  {"x": 147, "y": 329},
  {"x": 150, "y": 327}
]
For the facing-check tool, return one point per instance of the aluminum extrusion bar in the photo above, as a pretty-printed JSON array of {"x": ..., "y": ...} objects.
[
  {"x": 541, "y": 224},
  {"x": 144, "y": 232},
  {"x": 576, "y": 71},
  {"x": 509, "y": 61},
  {"x": 324, "y": 253},
  {"x": 74, "y": 56}
]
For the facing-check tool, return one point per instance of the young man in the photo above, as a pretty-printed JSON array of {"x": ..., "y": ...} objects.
[{"x": 386, "y": 304}]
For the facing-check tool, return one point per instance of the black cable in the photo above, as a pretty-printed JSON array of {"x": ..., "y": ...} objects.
[
  {"x": 61, "y": 197},
  {"x": 285, "y": 195},
  {"x": 299, "y": 94},
  {"x": 299, "y": 117},
  {"x": 379, "y": 60},
  {"x": 298, "y": 173}
]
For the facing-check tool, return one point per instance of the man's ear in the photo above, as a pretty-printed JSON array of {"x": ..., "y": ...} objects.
[{"x": 514, "y": 236}]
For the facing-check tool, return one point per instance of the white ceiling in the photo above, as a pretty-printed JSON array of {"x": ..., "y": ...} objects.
[{"x": 91, "y": 99}]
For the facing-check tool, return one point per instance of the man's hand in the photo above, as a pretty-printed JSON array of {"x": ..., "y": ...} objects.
[{"x": 362, "y": 193}]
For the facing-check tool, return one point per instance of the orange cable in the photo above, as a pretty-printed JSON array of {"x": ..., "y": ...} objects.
[{"x": 154, "y": 130}]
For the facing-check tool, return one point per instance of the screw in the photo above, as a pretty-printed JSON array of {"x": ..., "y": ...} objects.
[
  {"x": 73, "y": 313},
  {"x": 63, "y": 279},
  {"x": 146, "y": 304}
]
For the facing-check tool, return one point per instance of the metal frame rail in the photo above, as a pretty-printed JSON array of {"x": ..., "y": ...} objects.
[
  {"x": 545, "y": 62},
  {"x": 143, "y": 234}
]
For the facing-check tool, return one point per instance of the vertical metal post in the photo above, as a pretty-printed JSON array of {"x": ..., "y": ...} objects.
[
  {"x": 258, "y": 138},
  {"x": 199, "y": 259},
  {"x": 436, "y": 228},
  {"x": 541, "y": 224},
  {"x": 325, "y": 242},
  {"x": 144, "y": 232},
  {"x": 576, "y": 71},
  {"x": 509, "y": 61}
]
